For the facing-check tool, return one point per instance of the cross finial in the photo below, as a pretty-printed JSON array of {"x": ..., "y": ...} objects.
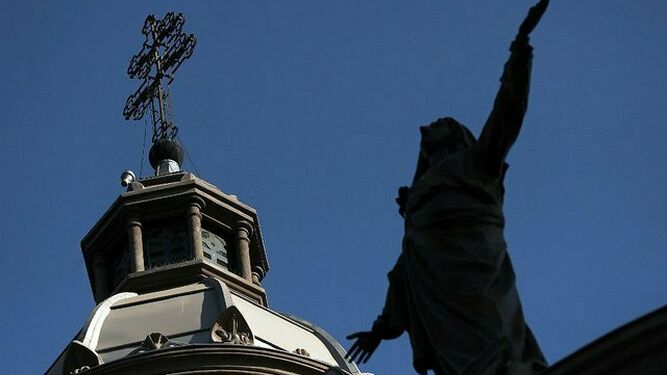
[{"x": 164, "y": 49}]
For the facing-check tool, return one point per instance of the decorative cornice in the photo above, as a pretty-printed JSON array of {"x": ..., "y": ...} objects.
[{"x": 189, "y": 272}]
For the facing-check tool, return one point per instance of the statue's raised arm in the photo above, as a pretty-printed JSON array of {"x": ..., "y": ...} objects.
[{"x": 504, "y": 122}]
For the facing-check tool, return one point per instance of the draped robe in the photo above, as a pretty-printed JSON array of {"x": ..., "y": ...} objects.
[{"x": 453, "y": 286}]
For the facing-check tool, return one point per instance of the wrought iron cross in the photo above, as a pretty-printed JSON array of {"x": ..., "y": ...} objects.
[{"x": 164, "y": 49}]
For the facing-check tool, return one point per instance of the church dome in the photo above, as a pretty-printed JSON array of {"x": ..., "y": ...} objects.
[{"x": 179, "y": 329}]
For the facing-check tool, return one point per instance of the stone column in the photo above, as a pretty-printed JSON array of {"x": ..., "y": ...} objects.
[
  {"x": 243, "y": 232},
  {"x": 102, "y": 280},
  {"x": 135, "y": 242},
  {"x": 257, "y": 274},
  {"x": 194, "y": 226}
]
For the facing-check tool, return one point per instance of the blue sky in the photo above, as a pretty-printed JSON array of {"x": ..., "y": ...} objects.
[{"x": 309, "y": 111}]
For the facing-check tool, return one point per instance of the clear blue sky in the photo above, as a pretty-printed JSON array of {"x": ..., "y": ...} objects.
[{"x": 309, "y": 111}]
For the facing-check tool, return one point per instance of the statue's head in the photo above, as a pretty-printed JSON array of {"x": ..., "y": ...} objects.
[{"x": 440, "y": 139}]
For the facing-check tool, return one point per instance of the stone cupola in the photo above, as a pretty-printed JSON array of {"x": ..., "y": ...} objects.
[{"x": 171, "y": 230}]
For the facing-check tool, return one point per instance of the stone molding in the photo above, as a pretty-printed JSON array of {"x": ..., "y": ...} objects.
[{"x": 217, "y": 359}]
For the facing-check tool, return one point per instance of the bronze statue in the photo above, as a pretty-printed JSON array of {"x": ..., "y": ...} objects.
[{"x": 452, "y": 288}]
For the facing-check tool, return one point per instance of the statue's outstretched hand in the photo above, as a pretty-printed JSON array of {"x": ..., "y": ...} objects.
[
  {"x": 533, "y": 18},
  {"x": 364, "y": 347}
]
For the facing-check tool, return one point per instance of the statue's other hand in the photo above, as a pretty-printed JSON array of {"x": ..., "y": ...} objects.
[
  {"x": 364, "y": 347},
  {"x": 533, "y": 18}
]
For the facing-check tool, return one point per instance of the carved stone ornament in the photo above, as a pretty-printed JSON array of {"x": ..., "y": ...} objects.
[
  {"x": 80, "y": 358},
  {"x": 232, "y": 328},
  {"x": 155, "y": 341},
  {"x": 301, "y": 351}
]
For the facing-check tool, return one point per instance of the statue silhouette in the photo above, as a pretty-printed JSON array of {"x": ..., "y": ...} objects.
[{"x": 453, "y": 286}]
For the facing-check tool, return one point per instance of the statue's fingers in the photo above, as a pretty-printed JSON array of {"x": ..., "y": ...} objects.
[
  {"x": 539, "y": 10},
  {"x": 356, "y": 357},
  {"x": 360, "y": 357},
  {"x": 354, "y": 335},
  {"x": 352, "y": 349},
  {"x": 355, "y": 353},
  {"x": 349, "y": 352},
  {"x": 365, "y": 357},
  {"x": 369, "y": 353},
  {"x": 543, "y": 4},
  {"x": 539, "y": 5}
]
